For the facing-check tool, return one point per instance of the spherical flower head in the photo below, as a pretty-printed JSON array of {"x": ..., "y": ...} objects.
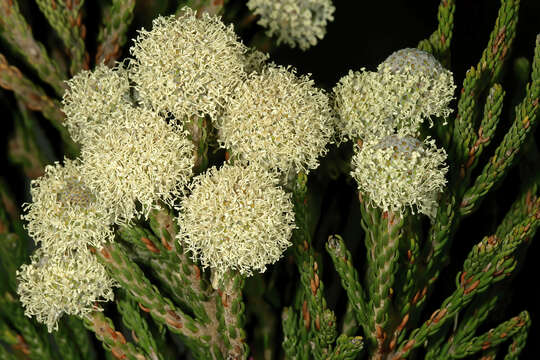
[
  {"x": 236, "y": 218},
  {"x": 398, "y": 172},
  {"x": 277, "y": 120},
  {"x": 187, "y": 66},
  {"x": 363, "y": 110},
  {"x": 140, "y": 158},
  {"x": 65, "y": 284},
  {"x": 294, "y": 22},
  {"x": 64, "y": 213},
  {"x": 418, "y": 86},
  {"x": 90, "y": 99}
]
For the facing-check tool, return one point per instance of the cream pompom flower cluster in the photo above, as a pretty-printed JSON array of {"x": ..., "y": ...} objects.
[
  {"x": 278, "y": 120},
  {"x": 65, "y": 214},
  {"x": 397, "y": 172},
  {"x": 187, "y": 66},
  {"x": 51, "y": 286},
  {"x": 294, "y": 22},
  {"x": 236, "y": 218},
  {"x": 138, "y": 159},
  {"x": 383, "y": 111},
  {"x": 418, "y": 87},
  {"x": 135, "y": 153},
  {"x": 409, "y": 87},
  {"x": 91, "y": 99}
]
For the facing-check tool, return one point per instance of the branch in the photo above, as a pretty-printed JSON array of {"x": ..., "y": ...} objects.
[
  {"x": 112, "y": 35},
  {"x": 18, "y": 34},
  {"x": 65, "y": 17},
  {"x": 112, "y": 340},
  {"x": 35, "y": 99}
]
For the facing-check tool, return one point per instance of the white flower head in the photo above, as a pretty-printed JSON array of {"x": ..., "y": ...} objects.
[
  {"x": 362, "y": 106},
  {"x": 64, "y": 284},
  {"x": 91, "y": 98},
  {"x": 418, "y": 86},
  {"x": 294, "y": 22},
  {"x": 277, "y": 120},
  {"x": 398, "y": 172},
  {"x": 64, "y": 213},
  {"x": 187, "y": 66},
  {"x": 139, "y": 158},
  {"x": 236, "y": 218}
]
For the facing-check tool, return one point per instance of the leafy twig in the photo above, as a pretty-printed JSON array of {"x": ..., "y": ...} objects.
[
  {"x": 493, "y": 337},
  {"x": 112, "y": 36},
  {"x": 490, "y": 261},
  {"x": 65, "y": 17},
  {"x": 112, "y": 340},
  {"x": 16, "y": 31},
  {"x": 438, "y": 43},
  {"x": 506, "y": 152},
  {"x": 318, "y": 319},
  {"x": 35, "y": 99},
  {"x": 486, "y": 74},
  {"x": 131, "y": 317}
]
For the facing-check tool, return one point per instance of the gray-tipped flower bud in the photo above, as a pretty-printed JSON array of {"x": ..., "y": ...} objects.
[{"x": 398, "y": 172}]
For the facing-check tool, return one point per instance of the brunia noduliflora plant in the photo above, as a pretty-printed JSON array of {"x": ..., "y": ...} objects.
[
  {"x": 236, "y": 218},
  {"x": 71, "y": 283},
  {"x": 278, "y": 120},
  {"x": 189, "y": 86},
  {"x": 294, "y": 22}
]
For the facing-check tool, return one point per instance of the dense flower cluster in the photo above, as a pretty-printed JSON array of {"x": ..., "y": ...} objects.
[
  {"x": 64, "y": 213},
  {"x": 409, "y": 87},
  {"x": 187, "y": 66},
  {"x": 67, "y": 284},
  {"x": 277, "y": 120},
  {"x": 418, "y": 86},
  {"x": 138, "y": 160},
  {"x": 384, "y": 110},
  {"x": 236, "y": 218},
  {"x": 361, "y": 107},
  {"x": 398, "y": 172},
  {"x": 294, "y": 22},
  {"x": 91, "y": 98}
]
